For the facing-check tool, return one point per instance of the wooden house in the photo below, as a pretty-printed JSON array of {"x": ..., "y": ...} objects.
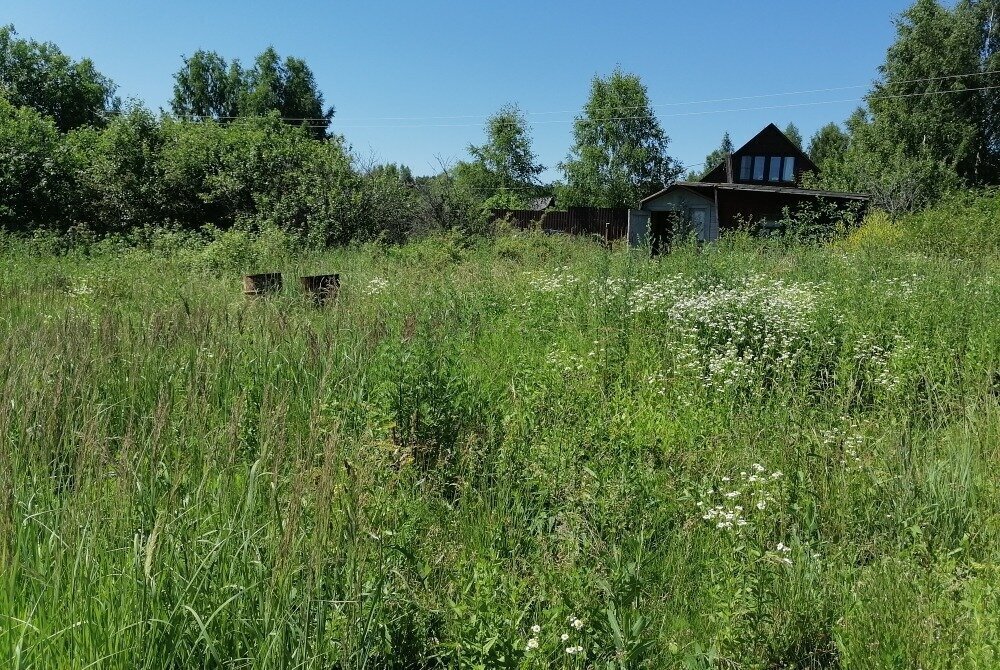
[{"x": 753, "y": 185}]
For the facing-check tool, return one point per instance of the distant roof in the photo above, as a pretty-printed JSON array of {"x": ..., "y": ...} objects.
[
  {"x": 541, "y": 204},
  {"x": 760, "y": 188}
]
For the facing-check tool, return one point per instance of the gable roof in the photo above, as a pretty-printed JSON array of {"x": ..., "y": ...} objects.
[{"x": 722, "y": 173}]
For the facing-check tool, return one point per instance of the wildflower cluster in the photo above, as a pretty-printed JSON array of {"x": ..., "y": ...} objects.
[
  {"x": 847, "y": 440},
  {"x": 875, "y": 362},
  {"x": 901, "y": 287},
  {"x": 81, "y": 289},
  {"x": 735, "y": 337},
  {"x": 575, "y": 624},
  {"x": 606, "y": 290},
  {"x": 737, "y": 501},
  {"x": 658, "y": 382},
  {"x": 555, "y": 282},
  {"x": 781, "y": 553},
  {"x": 376, "y": 285},
  {"x": 729, "y": 336},
  {"x": 564, "y": 361},
  {"x": 656, "y": 297}
]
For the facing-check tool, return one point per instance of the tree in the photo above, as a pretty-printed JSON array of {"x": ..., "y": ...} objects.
[
  {"x": 713, "y": 159},
  {"x": 121, "y": 173},
  {"x": 39, "y": 75},
  {"x": 619, "y": 154},
  {"x": 934, "y": 100},
  {"x": 208, "y": 87},
  {"x": 931, "y": 123},
  {"x": 793, "y": 134},
  {"x": 829, "y": 143},
  {"x": 287, "y": 87},
  {"x": 37, "y": 183},
  {"x": 504, "y": 171},
  {"x": 897, "y": 181}
]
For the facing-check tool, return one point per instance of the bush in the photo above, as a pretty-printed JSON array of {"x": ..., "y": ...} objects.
[
  {"x": 260, "y": 172},
  {"x": 121, "y": 174},
  {"x": 963, "y": 224},
  {"x": 37, "y": 183},
  {"x": 877, "y": 230}
]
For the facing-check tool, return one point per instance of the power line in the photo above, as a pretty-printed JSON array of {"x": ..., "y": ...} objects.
[
  {"x": 695, "y": 113},
  {"x": 324, "y": 121},
  {"x": 689, "y": 102}
]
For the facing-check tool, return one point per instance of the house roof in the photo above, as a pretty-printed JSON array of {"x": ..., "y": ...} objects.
[
  {"x": 760, "y": 188},
  {"x": 726, "y": 169}
]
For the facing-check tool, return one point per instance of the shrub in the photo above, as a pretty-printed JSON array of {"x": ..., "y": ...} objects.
[
  {"x": 121, "y": 173},
  {"x": 963, "y": 224},
  {"x": 877, "y": 230},
  {"x": 37, "y": 183}
]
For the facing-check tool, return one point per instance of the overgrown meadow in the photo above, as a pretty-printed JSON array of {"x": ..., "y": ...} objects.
[{"x": 525, "y": 452}]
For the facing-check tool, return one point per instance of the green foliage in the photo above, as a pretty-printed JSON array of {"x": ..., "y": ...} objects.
[
  {"x": 38, "y": 75},
  {"x": 37, "y": 175},
  {"x": 444, "y": 205},
  {"x": 714, "y": 159},
  {"x": 619, "y": 153},
  {"x": 792, "y": 133},
  {"x": 896, "y": 181},
  {"x": 942, "y": 114},
  {"x": 964, "y": 223},
  {"x": 828, "y": 146},
  {"x": 391, "y": 204},
  {"x": 207, "y": 87},
  {"x": 121, "y": 173},
  {"x": 930, "y": 124},
  {"x": 527, "y": 452},
  {"x": 819, "y": 222},
  {"x": 504, "y": 171}
]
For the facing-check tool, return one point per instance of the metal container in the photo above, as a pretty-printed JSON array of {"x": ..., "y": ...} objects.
[
  {"x": 261, "y": 285},
  {"x": 321, "y": 289}
]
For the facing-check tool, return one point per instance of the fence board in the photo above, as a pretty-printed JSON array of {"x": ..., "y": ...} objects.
[{"x": 608, "y": 223}]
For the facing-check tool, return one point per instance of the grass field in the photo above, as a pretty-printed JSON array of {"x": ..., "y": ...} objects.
[{"x": 530, "y": 452}]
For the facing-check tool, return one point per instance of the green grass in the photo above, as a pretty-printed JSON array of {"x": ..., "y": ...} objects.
[{"x": 480, "y": 439}]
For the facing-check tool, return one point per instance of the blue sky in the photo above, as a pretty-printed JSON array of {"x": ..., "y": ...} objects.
[{"x": 413, "y": 82}]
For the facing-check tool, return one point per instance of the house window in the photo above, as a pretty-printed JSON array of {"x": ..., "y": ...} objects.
[
  {"x": 789, "y": 169},
  {"x": 758, "y": 168},
  {"x": 745, "y": 168},
  {"x": 774, "y": 173}
]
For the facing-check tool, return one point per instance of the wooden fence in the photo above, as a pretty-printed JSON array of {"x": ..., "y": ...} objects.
[{"x": 608, "y": 223}]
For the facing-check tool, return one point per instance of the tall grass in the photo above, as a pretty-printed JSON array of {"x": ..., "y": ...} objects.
[{"x": 526, "y": 453}]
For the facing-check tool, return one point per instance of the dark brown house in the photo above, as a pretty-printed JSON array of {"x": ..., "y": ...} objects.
[{"x": 753, "y": 185}]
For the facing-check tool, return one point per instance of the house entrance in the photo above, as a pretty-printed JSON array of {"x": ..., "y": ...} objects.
[{"x": 663, "y": 226}]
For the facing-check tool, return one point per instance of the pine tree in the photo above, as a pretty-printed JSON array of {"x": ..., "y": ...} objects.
[
  {"x": 714, "y": 159},
  {"x": 793, "y": 134}
]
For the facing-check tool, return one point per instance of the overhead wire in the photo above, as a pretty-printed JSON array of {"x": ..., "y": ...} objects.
[{"x": 324, "y": 120}]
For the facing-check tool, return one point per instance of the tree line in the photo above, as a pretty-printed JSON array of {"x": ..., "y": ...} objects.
[
  {"x": 930, "y": 124},
  {"x": 253, "y": 144}
]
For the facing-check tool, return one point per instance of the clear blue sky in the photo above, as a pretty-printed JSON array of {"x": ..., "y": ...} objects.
[{"x": 376, "y": 61}]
